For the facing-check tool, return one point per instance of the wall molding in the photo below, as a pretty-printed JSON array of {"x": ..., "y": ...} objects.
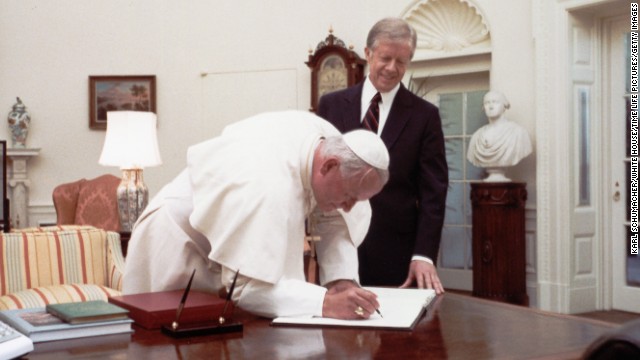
[
  {"x": 448, "y": 29},
  {"x": 42, "y": 215}
]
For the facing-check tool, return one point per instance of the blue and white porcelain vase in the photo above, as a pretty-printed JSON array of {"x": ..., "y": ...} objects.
[{"x": 19, "y": 121}]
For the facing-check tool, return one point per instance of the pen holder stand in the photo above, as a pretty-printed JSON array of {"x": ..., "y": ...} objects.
[{"x": 202, "y": 329}]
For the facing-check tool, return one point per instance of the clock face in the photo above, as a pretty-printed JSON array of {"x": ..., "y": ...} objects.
[{"x": 332, "y": 75}]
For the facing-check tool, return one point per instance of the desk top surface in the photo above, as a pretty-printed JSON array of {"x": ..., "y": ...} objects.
[{"x": 456, "y": 326}]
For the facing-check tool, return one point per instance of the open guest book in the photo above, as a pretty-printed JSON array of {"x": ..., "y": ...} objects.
[{"x": 401, "y": 309}]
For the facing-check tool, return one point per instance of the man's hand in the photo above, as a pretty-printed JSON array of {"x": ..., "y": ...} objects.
[
  {"x": 425, "y": 276},
  {"x": 345, "y": 300}
]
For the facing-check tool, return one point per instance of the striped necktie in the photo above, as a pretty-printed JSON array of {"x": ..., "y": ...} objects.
[{"x": 372, "y": 116}]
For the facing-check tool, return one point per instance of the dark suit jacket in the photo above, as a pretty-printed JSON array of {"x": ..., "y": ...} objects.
[{"x": 409, "y": 211}]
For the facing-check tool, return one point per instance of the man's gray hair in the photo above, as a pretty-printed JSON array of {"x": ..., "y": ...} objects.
[
  {"x": 394, "y": 29},
  {"x": 350, "y": 163}
]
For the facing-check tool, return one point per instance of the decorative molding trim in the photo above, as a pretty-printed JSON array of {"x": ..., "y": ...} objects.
[
  {"x": 452, "y": 27},
  {"x": 499, "y": 196},
  {"x": 42, "y": 215},
  {"x": 331, "y": 40},
  {"x": 544, "y": 19},
  {"x": 566, "y": 282},
  {"x": 542, "y": 43}
]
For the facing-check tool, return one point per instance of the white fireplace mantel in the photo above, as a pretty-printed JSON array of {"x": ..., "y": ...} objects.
[{"x": 18, "y": 181}]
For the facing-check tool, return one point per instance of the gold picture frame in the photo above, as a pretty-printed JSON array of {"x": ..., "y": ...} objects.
[{"x": 120, "y": 92}]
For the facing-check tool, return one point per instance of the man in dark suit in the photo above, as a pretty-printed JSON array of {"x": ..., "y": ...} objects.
[{"x": 401, "y": 247}]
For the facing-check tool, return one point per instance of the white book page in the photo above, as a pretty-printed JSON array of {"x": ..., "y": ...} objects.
[{"x": 400, "y": 308}]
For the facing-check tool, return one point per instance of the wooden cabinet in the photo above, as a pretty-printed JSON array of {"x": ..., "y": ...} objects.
[{"x": 498, "y": 241}]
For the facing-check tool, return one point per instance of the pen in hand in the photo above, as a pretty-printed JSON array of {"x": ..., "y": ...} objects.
[{"x": 358, "y": 285}]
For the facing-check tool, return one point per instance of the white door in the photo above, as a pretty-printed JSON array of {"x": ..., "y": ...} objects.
[{"x": 625, "y": 268}]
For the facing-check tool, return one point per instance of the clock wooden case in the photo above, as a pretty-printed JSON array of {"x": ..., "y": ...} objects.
[{"x": 333, "y": 67}]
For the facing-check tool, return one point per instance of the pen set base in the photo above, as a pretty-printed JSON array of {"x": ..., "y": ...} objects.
[{"x": 201, "y": 329}]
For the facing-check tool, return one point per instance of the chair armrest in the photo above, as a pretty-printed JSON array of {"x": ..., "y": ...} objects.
[{"x": 115, "y": 261}]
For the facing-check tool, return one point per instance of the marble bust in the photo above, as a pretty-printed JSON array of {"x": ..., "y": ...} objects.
[{"x": 499, "y": 144}]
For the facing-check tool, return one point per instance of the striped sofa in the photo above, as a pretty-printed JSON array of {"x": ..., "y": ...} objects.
[{"x": 57, "y": 264}]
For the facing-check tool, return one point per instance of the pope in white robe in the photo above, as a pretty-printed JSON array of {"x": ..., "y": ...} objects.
[{"x": 240, "y": 205}]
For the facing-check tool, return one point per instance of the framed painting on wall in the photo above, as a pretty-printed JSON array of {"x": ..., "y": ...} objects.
[{"x": 114, "y": 93}]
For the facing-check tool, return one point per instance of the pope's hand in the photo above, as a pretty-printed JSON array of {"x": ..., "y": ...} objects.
[{"x": 345, "y": 300}]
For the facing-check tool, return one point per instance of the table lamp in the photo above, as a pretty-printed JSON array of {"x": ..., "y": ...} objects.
[{"x": 131, "y": 143}]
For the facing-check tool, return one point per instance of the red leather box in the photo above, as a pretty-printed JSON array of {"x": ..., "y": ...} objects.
[{"x": 155, "y": 309}]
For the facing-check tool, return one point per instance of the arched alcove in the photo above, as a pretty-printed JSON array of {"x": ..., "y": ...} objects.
[{"x": 448, "y": 28}]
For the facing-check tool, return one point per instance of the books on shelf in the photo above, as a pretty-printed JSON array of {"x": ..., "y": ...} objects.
[
  {"x": 87, "y": 311},
  {"x": 401, "y": 309},
  {"x": 154, "y": 309},
  {"x": 39, "y": 325}
]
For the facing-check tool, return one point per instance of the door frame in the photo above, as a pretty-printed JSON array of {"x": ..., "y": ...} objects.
[
  {"x": 616, "y": 295},
  {"x": 570, "y": 274}
]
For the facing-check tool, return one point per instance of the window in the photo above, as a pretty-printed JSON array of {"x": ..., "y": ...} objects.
[{"x": 462, "y": 114}]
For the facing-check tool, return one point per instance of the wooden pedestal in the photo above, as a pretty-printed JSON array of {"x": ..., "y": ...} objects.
[{"x": 498, "y": 241}]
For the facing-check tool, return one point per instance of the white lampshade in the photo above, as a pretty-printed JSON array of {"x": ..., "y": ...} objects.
[{"x": 131, "y": 141}]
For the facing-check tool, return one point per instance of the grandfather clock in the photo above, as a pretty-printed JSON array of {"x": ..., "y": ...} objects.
[{"x": 333, "y": 67}]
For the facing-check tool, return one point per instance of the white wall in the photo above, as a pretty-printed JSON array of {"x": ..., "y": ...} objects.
[
  {"x": 512, "y": 63},
  {"x": 48, "y": 49}
]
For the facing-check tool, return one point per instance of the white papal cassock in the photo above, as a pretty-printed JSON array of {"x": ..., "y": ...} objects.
[{"x": 241, "y": 204}]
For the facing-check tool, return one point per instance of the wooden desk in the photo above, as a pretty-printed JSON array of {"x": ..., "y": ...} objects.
[{"x": 456, "y": 327}]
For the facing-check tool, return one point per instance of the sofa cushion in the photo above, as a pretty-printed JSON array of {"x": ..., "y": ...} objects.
[
  {"x": 45, "y": 258},
  {"x": 41, "y": 296}
]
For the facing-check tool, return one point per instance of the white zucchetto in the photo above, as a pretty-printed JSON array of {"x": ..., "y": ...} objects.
[{"x": 368, "y": 147}]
